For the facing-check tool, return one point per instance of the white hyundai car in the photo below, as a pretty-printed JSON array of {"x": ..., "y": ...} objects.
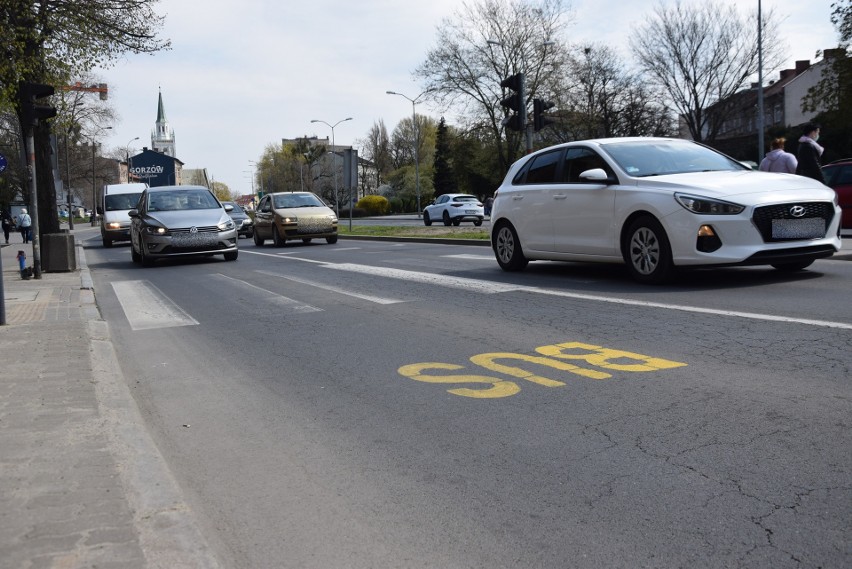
[{"x": 658, "y": 204}]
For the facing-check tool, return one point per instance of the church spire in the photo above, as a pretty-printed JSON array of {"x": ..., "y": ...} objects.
[
  {"x": 163, "y": 137},
  {"x": 161, "y": 113}
]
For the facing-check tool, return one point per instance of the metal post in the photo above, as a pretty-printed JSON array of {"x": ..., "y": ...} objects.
[
  {"x": 68, "y": 176},
  {"x": 31, "y": 168},
  {"x": 94, "y": 190},
  {"x": 760, "y": 117}
]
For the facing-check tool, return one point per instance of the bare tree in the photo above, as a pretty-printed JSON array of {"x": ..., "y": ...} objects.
[
  {"x": 376, "y": 148},
  {"x": 702, "y": 53},
  {"x": 485, "y": 42}
]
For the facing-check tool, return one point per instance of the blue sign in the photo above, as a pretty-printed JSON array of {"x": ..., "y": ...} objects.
[{"x": 3, "y": 163}]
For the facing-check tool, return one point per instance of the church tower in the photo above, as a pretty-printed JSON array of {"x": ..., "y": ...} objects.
[{"x": 163, "y": 137}]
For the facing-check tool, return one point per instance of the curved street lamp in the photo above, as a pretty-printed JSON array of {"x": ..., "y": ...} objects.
[
  {"x": 416, "y": 144},
  {"x": 334, "y": 160},
  {"x": 127, "y": 156}
]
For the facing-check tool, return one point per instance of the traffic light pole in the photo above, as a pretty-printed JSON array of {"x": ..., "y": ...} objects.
[{"x": 31, "y": 171}]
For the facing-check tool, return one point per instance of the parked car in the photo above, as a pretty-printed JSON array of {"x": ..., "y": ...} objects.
[
  {"x": 244, "y": 223},
  {"x": 285, "y": 216},
  {"x": 658, "y": 204},
  {"x": 455, "y": 208},
  {"x": 838, "y": 176},
  {"x": 178, "y": 221}
]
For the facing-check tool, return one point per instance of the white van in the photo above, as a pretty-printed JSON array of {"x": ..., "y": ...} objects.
[{"x": 117, "y": 201}]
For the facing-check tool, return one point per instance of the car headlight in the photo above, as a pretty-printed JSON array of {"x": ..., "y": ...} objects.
[
  {"x": 289, "y": 219},
  {"x": 113, "y": 225},
  {"x": 707, "y": 206},
  {"x": 155, "y": 230},
  {"x": 226, "y": 225}
]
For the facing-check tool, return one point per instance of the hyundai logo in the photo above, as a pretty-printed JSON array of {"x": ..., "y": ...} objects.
[
  {"x": 194, "y": 229},
  {"x": 795, "y": 211}
]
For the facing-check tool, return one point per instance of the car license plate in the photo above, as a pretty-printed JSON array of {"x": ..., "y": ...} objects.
[
  {"x": 195, "y": 239},
  {"x": 470, "y": 211},
  {"x": 810, "y": 228}
]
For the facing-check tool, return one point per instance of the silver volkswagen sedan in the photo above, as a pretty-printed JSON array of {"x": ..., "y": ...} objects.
[
  {"x": 178, "y": 221},
  {"x": 656, "y": 205}
]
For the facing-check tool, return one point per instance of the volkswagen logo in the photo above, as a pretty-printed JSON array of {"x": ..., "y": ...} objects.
[
  {"x": 795, "y": 211},
  {"x": 194, "y": 229}
]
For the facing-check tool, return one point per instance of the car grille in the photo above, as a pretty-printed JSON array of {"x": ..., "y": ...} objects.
[
  {"x": 764, "y": 216},
  {"x": 309, "y": 226},
  {"x": 208, "y": 229}
]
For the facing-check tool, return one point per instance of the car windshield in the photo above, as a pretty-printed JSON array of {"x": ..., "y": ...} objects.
[
  {"x": 181, "y": 199},
  {"x": 120, "y": 202},
  {"x": 658, "y": 158},
  {"x": 287, "y": 201}
]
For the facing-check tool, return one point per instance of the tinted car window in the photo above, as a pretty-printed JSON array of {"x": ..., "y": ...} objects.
[
  {"x": 578, "y": 160},
  {"x": 838, "y": 175},
  {"x": 543, "y": 168}
]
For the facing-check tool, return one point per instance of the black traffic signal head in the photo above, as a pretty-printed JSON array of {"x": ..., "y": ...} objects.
[
  {"x": 514, "y": 102},
  {"x": 539, "y": 119},
  {"x": 30, "y": 109}
]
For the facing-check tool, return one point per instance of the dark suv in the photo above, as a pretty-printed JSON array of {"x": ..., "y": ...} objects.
[{"x": 838, "y": 176}]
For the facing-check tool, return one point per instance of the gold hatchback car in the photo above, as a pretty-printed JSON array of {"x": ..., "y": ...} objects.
[{"x": 286, "y": 216}]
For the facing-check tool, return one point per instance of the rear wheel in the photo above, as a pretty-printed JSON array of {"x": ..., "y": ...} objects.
[
  {"x": 446, "y": 218},
  {"x": 793, "y": 267},
  {"x": 478, "y": 222},
  {"x": 647, "y": 251},
  {"x": 507, "y": 248},
  {"x": 456, "y": 222},
  {"x": 426, "y": 219}
]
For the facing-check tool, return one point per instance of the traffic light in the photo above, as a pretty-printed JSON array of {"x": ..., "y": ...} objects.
[
  {"x": 31, "y": 110},
  {"x": 515, "y": 102},
  {"x": 539, "y": 119}
]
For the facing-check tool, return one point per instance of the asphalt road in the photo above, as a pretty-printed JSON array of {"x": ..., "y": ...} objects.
[{"x": 376, "y": 404}]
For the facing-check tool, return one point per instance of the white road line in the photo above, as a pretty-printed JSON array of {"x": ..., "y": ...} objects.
[
  {"x": 474, "y": 285},
  {"x": 274, "y": 298},
  {"x": 370, "y": 298},
  {"x": 471, "y": 257},
  {"x": 146, "y": 307}
]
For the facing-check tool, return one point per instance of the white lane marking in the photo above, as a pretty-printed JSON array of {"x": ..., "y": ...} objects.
[
  {"x": 146, "y": 307},
  {"x": 489, "y": 287},
  {"x": 474, "y": 285},
  {"x": 282, "y": 256},
  {"x": 370, "y": 298},
  {"x": 274, "y": 298},
  {"x": 471, "y": 257}
]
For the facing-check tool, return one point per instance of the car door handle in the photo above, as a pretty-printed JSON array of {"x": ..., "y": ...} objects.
[
  {"x": 517, "y": 198},
  {"x": 560, "y": 196}
]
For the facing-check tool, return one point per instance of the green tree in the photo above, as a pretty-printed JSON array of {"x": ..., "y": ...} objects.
[
  {"x": 222, "y": 191},
  {"x": 51, "y": 41},
  {"x": 443, "y": 179}
]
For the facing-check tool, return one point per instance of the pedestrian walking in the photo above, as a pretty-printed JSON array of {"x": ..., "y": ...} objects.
[
  {"x": 24, "y": 225},
  {"x": 809, "y": 153},
  {"x": 7, "y": 224},
  {"x": 777, "y": 160}
]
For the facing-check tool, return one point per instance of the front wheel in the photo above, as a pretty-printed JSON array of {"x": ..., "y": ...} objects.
[
  {"x": 793, "y": 267},
  {"x": 331, "y": 240},
  {"x": 507, "y": 249},
  {"x": 107, "y": 243},
  {"x": 231, "y": 255},
  {"x": 426, "y": 219},
  {"x": 134, "y": 256},
  {"x": 446, "y": 218},
  {"x": 258, "y": 240},
  {"x": 647, "y": 251},
  {"x": 276, "y": 237}
]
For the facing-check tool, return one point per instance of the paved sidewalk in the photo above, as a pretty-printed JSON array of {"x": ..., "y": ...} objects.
[{"x": 81, "y": 482}]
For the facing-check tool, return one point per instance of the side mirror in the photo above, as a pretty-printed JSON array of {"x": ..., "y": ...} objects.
[
  {"x": 100, "y": 210},
  {"x": 133, "y": 213},
  {"x": 229, "y": 208},
  {"x": 596, "y": 175}
]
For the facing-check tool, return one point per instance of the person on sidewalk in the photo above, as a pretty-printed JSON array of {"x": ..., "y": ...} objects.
[
  {"x": 809, "y": 153},
  {"x": 24, "y": 224},
  {"x": 777, "y": 160},
  {"x": 7, "y": 224}
]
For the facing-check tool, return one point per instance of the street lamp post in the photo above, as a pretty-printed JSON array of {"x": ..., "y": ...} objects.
[
  {"x": 334, "y": 161},
  {"x": 93, "y": 216},
  {"x": 260, "y": 177},
  {"x": 416, "y": 144},
  {"x": 127, "y": 157}
]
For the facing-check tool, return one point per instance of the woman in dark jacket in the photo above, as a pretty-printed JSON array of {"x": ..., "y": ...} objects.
[{"x": 809, "y": 153}]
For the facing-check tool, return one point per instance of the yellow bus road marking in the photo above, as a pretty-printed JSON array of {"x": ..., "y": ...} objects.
[{"x": 553, "y": 356}]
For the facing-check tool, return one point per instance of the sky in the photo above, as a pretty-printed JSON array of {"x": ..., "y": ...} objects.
[{"x": 243, "y": 74}]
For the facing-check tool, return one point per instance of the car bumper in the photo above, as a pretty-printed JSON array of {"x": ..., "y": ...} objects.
[
  {"x": 745, "y": 240},
  {"x": 162, "y": 246},
  {"x": 120, "y": 234}
]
